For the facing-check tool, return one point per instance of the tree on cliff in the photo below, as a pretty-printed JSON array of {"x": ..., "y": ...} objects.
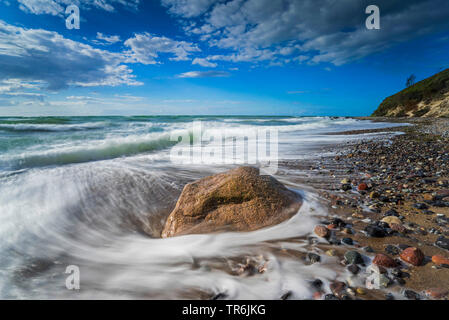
[{"x": 410, "y": 81}]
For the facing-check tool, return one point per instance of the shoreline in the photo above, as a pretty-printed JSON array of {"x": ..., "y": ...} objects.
[{"x": 403, "y": 175}]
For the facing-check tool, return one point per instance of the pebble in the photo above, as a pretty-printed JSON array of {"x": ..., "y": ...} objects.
[
  {"x": 354, "y": 269},
  {"x": 321, "y": 231},
  {"x": 442, "y": 242},
  {"x": 413, "y": 256},
  {"x": 384, "y": 261},
  {"x": 337, "y": 287},
  {"x": 353, "y": 257},
  {"x": 360, "y": 291},
  {"x": 437, "y": 293},
  {"x": 440, "y": 260},
  {"x": 393, "y": 250},
  {"x": 411, "y": 295},
  {"x": 313, "y": 257},
  {"x": 392, "y": 219},
  {"x": 375, "y": 231},
  {"x": 331, "y": 252},
  {"x": 347, "y": 241},
  {"x": 362, "y": 187}
]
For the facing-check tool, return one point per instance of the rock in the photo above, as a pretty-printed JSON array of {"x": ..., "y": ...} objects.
[
  {"x": 374, "y": 195},
  {"x": 384, "y": 261},
  {"x": 317, "y": 284},
  {"x": 237, "y": 200},
  {"x": 360, "y": 291},
  {"x": 442, "y": 242},
  {"x": 389, "y": 296},
  {"x": 353, "y": 257},
  {"x": 391, "y": 212},
  {"x": 413, "y": 256},
  {"x": 411, "y": 295},
  {"x": 286, "y": 295},
  {"x": 317, "y": 295},
  {"x": 384, "y": 281},
  {"x": 421, "y": 206},
  {"x": 368, "y": 249},
  {"x": 375, "y": 231},
  {"x": 399, "y": 228},
  {"x": 321, "y": 231},
  {"x": 353, "y": 268},
  {"x": 330, "y": 297},
  {"x": 345, "y": 181},
  {"x": 331, "y": 252},
  {"x": 437, "y": 293},
  {"x": 347, "y": 241},
  {"x": 440, "y": 260},
  {"x": 392, "y": 219},
  {"x": 428, "y": 197},
  {"x": 313, "y": 257},
  {"x": 393, "y": 250},
  {"x": 337, "y": 287},
  {"x": 346, "y": 187},
  {"x": 362, "y": 187}
]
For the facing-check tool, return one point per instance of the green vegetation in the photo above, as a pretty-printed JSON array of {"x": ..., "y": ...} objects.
[{"x": 409, "y": 98}]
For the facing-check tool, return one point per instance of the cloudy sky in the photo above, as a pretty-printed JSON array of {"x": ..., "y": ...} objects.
[{"x": 287, "y": 57}]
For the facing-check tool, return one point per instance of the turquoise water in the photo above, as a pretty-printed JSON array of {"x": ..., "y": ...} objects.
[{"x": 95, "y": 191}]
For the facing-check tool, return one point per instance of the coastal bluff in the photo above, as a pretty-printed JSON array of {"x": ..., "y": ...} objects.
[
  {"x": 237, "y": 200},
  {"x": 428, "y": 98}
]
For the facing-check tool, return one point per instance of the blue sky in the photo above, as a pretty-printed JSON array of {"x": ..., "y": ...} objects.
[{"x": 228, "y": 57}]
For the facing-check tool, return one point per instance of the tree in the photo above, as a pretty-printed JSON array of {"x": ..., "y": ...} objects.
[{"x": 410, "y": 80}]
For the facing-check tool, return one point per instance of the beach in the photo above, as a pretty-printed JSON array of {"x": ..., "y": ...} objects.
[{"x": 95, "y": 192}]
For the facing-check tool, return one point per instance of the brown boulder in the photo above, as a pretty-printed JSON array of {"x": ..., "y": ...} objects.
[
  {"x": 321, "y": 231},
  {"x": 237, "y": 200}
]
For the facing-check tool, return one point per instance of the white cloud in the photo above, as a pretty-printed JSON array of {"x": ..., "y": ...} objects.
[
  {"x": 203, "y": 74},
  {"x": 280, "y": 31},
  {"x": 48, "y": 57},
  {"x": 204, "y": 62},
  {"x": 57, "y": 7},
  {"x": 108, "y": 39},
  {"x": 188, "y": 8},
  {"x": 145, "y": 48}
]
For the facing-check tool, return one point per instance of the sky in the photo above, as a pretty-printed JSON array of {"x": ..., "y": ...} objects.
[{"x": 215, "y": 57}]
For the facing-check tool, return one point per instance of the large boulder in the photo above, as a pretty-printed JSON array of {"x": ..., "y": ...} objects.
[{"x": 238, "y": 200}]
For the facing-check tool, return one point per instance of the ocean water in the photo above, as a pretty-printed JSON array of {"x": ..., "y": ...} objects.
[{"x": 94, "y": 192}]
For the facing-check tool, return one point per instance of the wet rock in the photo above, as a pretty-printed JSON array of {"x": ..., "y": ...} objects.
[
  {"x": 286, "y": 295},
  {"x": 238, "y": 200},
  {"x": 442, "y": 242},
  {"x": 398, "y": 228},
  {"x": 375, "y": 231},
  {"x": 440, "y": 260},
  {"x": 353, "y": 257},
  {"x": 384, "y": 261},
  {"x": 337, "y": 287},
  {"x": 347, "y": 241},
  {"x": 346, "y": 187},
  {"x": 420, "y": 206},
  {"x": 390, "y": 213},
  {"x": 330, "y": 297},
  {"x": 368, "y": 249},
  {"x": 411, "y": 295},
  {"x": 437, "y": 293},
  {"x": 389, "y": 296},
  {"x": 392, "y": 219},
  {"x": 413, "y": 256},
  {"x": 362, "y": 187},
  {"x": 313, "y": 257},
  {"x": 317, "y": 284},
  {"x": 393, "y": 250},
  {"x": 321, "y": 231},
  {"x": 353, "y": 268},
  {"x": 384, "y": 281}
]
